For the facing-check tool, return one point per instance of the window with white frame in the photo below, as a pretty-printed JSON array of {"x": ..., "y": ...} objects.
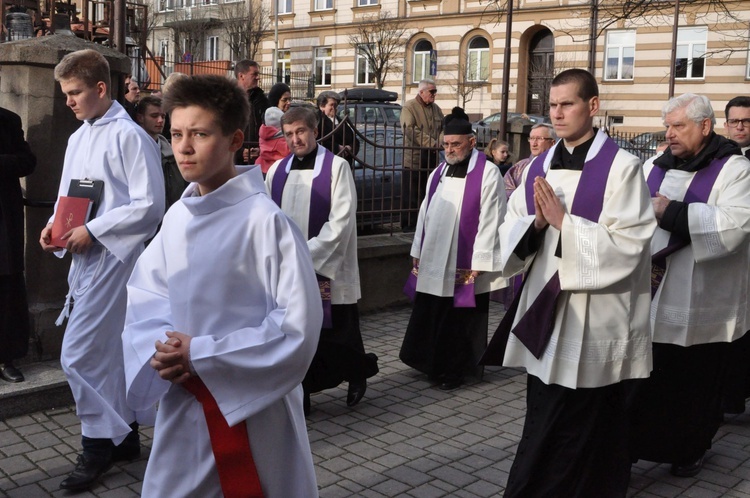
[
  {"x": 323, "y": 66},
  {"x": 164, "y": 5},
  {"x": 284, "y": 6},
  {"x": 323, "y": 4},
  {"x": 164, "y": 49},
  {"x": 365, "y": 3},
  {"x": 690, "y": 62},
  {"x": 747, "y": 70},
  {"x": 365, "y": 76},
  {"x": 422, "y": 51},
  {"x": 478, "y": 59},
  {"x": 208, "y": 2},
  {"x": 212, "y": 48},
  {"x": 620, "y": 55},
  {"x": 283, "y": 65}
]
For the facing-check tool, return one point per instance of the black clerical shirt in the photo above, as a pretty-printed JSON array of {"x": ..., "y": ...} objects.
[
  {"x": 458, "y": 170},
  {"x": 306, "y": 162},
  {"x": 561, "y": 159}
]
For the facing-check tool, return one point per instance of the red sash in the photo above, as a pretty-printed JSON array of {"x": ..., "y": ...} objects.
[{"x": 231, "y": 447}]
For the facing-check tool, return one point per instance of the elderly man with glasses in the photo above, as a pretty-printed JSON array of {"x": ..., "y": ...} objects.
[
  {"x": 422, "y": 123},
  {"x": 456, "y": 254},
  {"x": 541, "y": 138}
]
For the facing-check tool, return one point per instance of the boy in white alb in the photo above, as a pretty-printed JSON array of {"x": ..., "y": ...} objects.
[
  {"x": 111, "y": 148},
  {"x": 223, "y": 318}
]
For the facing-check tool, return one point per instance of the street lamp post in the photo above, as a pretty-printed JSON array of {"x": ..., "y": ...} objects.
[{"x": 506, "y": 69}]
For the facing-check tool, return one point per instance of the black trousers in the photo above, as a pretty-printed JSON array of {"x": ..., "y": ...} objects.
[
  {"x": 574, "y": 443},
  {"x": 14, "y": 318}
]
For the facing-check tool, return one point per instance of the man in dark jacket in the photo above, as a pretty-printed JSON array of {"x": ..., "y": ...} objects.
[
  {"x": 247, "y": 73},
  {"x": 16, "y": 161}
]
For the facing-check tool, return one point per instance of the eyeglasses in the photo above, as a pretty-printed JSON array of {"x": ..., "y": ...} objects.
[
  {"x": 433, "y": 91},
  {"x": 285, "y": 99},
  {"x": 733, "y": 123},
  {"x": 454, "y": 145},
  {"x": 538, "y": 139}
]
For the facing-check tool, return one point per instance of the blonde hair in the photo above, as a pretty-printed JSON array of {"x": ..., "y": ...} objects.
[
  {"x": 87, "y": 65},
  {"x": 171, "y": 79}
]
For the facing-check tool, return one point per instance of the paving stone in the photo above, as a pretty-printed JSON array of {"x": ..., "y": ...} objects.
[{"x": 405, "y": 439}]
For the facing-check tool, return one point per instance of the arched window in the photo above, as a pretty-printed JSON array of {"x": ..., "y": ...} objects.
[
  {"x": 422, "y": 52},
  {"x": 478, "y": 59}
]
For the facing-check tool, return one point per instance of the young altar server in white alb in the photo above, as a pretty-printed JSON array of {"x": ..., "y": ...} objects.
[
  {"x": 316, "y": 189},
  {"x": 456, "y": 253},
  {"x": 108, "y": 147},
  {"x": 223, "y": 318},
  {"x": 580, "y": 224}
]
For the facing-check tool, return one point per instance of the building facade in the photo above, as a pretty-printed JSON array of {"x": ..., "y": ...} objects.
[{"x": 463, "y": 43}]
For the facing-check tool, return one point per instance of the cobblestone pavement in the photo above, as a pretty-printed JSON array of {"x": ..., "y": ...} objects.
[{"x": 405, "y": 439}]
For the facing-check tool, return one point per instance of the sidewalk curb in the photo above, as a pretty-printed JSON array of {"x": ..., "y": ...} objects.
[{"x": 45, "y": 387}]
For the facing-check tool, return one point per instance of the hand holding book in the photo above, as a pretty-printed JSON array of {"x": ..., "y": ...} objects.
[{"x": 70, "y": 216}]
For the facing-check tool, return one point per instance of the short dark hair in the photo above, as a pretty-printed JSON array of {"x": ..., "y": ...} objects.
[
  {"x": 87, "y": 65},
  {"x": 143, "y": 104},
  {"x": 244, "y": 66},
  {"x": 327, "y": 95},
  {"x": 215, "y": 93},
  {"x": 303, "y": 113},
  {"x": 741, "y": 101},
  {"x": 587, "y": 86}
]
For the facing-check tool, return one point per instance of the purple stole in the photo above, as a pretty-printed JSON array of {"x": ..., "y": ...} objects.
[
  {"x": 463, "y": 292},
  {"x": 698, "y": 191},
  {"x": 320, "y": 209},
  {"x": 535, "y": 327}
]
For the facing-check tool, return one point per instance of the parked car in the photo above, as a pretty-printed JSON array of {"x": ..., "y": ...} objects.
[
  {"x": 646, "y": 143},
  {"x": 377, "y": 177},
  {"x": 486, "y": 129},
  {"x": 370, "y": 107}
]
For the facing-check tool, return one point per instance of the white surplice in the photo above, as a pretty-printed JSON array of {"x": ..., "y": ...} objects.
[
  {"x": 232, "y": 271},
  {"x": 601, "y": 333},
  {"x": 334, "y": 250},
  {"x": 119, "y": 152},
  {"x": 437, "y": 254},
  {"x": 703, "y": 297}
]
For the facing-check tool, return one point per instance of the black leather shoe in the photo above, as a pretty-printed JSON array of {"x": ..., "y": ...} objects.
[
  {"x": 356, "y": 392},
  {"x": 10, "y": 373},
  {"x": 450, "y": 384},
  {"x": 88, "y": 470},
  {"x": 690, "y": 469},
  {"x": 130, "y": 448}
]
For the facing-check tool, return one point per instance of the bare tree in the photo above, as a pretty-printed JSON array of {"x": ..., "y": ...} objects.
[
  {"x": 380, "y": 39},
  {"x": 463, "y": 87},
  {"x": 246, "y": 25},
  {"x": 190, "y": 27}
]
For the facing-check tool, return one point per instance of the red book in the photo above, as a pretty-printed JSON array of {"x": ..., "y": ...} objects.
[{"x": 72, "y": 212}]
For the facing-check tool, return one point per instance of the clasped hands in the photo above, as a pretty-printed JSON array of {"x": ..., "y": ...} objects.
[
  {"x": 172, "y": 358},
  {"x": 549, "y": 209}
]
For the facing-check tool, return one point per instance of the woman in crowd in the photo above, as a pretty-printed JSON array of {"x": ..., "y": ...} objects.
[
  {"x": 272, "y": 143},
  {"x": 339, "y": 139}
]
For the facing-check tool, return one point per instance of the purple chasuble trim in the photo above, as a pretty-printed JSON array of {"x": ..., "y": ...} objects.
[
  {"x": 463, "y": 292},
  {"x": 320, "y": 210},
  {"x": 535, "y": 327},
  {"x": 698, "y": 191}
]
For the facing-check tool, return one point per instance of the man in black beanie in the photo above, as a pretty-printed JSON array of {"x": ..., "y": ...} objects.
[{"x": 465, "y": 203}]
